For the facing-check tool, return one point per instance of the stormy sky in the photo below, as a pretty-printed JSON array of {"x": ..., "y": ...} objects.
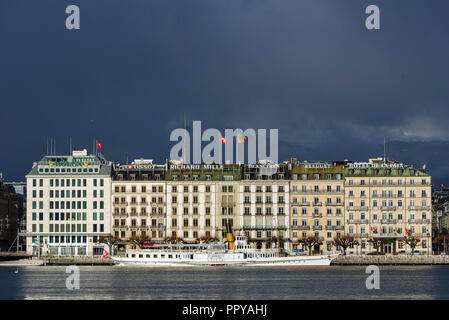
[{"x": 308, "y": 68}]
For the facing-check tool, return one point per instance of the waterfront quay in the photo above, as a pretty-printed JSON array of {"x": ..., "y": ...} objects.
[
  {"x": 352, "y": 260},
  {"x": 78, "y": 261},
  {"x": 390, "y": 260}
]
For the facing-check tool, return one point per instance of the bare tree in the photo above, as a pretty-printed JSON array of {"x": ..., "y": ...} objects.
[
  {"x": 170, "y": 239},
  {"x": 110, "y": 241},
  {"x": 208, "y": 239},
  {"x": 412, "y": 241},
  {"x": 344, "y": 241},
  {"x": 376, "y": 242},
  {"x": 139, "y": 240},
  {"x": 310, "y": 242}
]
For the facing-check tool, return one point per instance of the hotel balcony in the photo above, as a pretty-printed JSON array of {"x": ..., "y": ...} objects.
[
  {"x": 356, "y": 208},
  {"x": 386, "y": 235},
  {"x": 426, "y": 234},
  {"x": 257, "y": 228},
  {"x": 357, "y": 221},
  {"x": 335, "y": 227},
  {"x": 417, "y": 221},
  {"x": 359, "y": 235},
  {"x": 155, "y": 204},
  {"x": 301, "y": 227},
  {"x": 387, "y": 221},
  {"x": 120, "y": 214},
  {"x": 232, "y": 203},
  {"x": 418, "y": 207},
  {"x": 334, "y": 204},
  {"x": 317, "y": 204},
  {"x": 303, "y": 204},
  {"x": 317, "y": 227},
  {"x": 155, "y": 214}
]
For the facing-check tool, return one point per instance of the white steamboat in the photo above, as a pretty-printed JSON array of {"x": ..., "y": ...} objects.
[{"x": 239, "y": 253}]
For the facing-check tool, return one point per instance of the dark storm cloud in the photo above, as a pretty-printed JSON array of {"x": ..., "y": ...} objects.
[{"x": 309, "y": 68}]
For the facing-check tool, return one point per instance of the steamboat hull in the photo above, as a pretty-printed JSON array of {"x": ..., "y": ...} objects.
[{"x": 313, "y": 261}]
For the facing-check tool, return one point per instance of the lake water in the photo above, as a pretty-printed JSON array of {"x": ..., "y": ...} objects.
[{"x": 344, "y": 282}]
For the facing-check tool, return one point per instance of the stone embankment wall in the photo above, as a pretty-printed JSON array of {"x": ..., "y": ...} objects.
[
  {"x": 80, "y": 261},
  {"x": 390, "y": 260}
]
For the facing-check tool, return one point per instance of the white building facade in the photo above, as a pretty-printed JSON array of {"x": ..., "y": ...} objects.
[{"x": 68, "y": 205}]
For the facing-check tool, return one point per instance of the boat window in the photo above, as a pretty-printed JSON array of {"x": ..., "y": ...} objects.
[
  {"x": 140, "y": 255},
  {"x": 170, "y": 256},
  {"x": 162, "y": 255},
  {"x": 133, "y": 255},
  {"x": 148, "y": 256},
  {"x": 154, "y": 255}
]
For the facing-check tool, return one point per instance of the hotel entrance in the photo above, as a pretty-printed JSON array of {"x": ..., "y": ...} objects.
[{"x": 388, "y": 248}]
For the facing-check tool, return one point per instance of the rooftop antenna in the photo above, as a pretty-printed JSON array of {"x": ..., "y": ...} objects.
[
  {"x": 47, "y": 147},
  {"x": 70, "y": 146},
  {"x": 385, "y": 157}
]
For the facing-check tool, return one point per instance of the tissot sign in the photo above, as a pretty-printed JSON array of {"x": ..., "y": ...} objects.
[{"x": 254, "y": 143}]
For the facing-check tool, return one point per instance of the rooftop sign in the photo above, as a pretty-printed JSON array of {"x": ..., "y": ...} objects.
[{"x": 374, "y": 165}]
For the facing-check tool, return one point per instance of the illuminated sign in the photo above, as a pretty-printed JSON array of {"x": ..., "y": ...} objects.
[{"x": 76, "y": 162}]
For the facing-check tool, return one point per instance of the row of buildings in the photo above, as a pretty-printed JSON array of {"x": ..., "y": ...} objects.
[{"x": 73, "y": 200}]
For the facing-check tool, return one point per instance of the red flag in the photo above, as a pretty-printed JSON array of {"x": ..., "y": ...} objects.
[
  {"x": 130, "y": 166},
  {"x": 223, "y": 140},
  {"x": 105, "y": 253},
  {"x": 99, "y": 146},
  {"x": 442, "y": 186}
]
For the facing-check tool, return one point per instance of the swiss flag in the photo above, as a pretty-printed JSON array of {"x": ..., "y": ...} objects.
[
  {"x": 130, "y": 166},
  {"x": 99, "y": 146},
  {"x": 223, "y": 140},
  {"x": 105, "y": 253}
]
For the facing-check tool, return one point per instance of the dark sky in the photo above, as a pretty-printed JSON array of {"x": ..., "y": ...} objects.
[{"x": 309, "y": 68}]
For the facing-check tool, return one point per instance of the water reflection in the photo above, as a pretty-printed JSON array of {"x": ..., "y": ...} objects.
[{"x": 414, "y": 282}]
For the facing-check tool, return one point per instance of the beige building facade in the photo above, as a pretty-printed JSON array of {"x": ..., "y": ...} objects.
[
  {"x": 317, "y": 204},
  {"x": 139, "y": 200},
  {"x": 387, "y": 202}
]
